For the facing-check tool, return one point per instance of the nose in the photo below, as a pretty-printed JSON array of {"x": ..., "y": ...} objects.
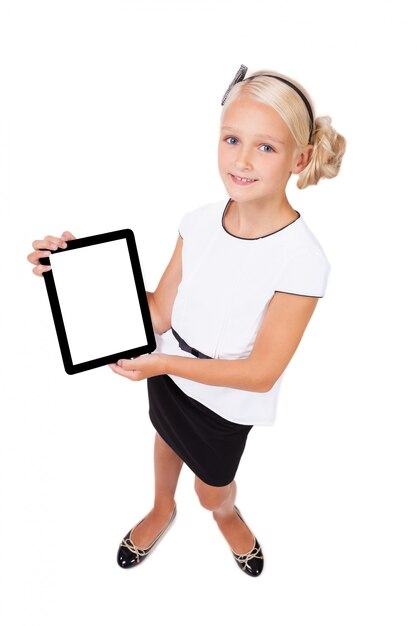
[{"x": 242, "y": 159}]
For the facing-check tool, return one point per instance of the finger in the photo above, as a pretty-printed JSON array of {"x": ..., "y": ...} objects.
[
  {"x": 34, "y": 257},
  {"x": 67, "y": 236},
  {"x": 120, "y": 370},
  {"x": 127, "y": 364},
  {"x": 57, "y": 241},
  {"x": 41, "y": 269},
  {"x": 51, "y": 243},
  {"x": 45, "y": 243}
]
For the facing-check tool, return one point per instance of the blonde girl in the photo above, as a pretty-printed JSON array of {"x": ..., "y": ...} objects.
[{"x": 232, "y": 306}]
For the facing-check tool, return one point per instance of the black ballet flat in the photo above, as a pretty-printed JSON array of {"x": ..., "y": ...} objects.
[
  {"x": 252, "y": 562},
  {"x": 130, "y": 555}
]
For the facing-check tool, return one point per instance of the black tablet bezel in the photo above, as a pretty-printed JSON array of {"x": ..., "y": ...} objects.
[{"x": 69, "y": 366}]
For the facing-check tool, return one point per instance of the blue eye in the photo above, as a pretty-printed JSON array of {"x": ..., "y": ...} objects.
[{"x": 232, "y": 141}]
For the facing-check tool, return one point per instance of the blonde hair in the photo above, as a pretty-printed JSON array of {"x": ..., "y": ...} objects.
[{"x": 328, "y": 145}]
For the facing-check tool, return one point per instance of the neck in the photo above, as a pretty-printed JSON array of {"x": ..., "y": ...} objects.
[{"x": 261, "y": 216}]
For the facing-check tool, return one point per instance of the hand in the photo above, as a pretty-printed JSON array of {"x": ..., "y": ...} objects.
[
  {"x": 50, "y": 243},
  {"x": 142, "y": 367}
]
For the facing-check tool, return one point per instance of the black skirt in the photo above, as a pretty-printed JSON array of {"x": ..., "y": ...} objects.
[{"x": 210, "y": 445}]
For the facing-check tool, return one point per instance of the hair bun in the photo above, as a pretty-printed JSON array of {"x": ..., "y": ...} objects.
[{"x": 328, "y": 150}]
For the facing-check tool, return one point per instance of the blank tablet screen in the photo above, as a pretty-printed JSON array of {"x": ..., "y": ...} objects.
[{"x": 98, "y": 301}]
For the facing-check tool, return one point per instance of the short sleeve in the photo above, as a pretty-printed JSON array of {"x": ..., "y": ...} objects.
[
  {"x": 305, "y": 274},
  {"x": 184, "y": 224}
]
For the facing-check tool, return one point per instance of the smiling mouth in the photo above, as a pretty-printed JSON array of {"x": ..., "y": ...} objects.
[{"x": 242, "y": 181}]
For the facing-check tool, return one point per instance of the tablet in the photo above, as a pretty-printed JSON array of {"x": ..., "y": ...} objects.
[{"x": 98, "y": 301}]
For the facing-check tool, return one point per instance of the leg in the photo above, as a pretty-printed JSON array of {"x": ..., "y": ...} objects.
[
  {"x": 221, "y": 500},
  {"x": 167, "y": 466}
]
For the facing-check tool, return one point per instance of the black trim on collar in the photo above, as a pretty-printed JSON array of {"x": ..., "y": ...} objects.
[{"x": 254, "y": 238}]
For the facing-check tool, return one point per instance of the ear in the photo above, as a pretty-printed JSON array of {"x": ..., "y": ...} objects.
[{"x": 302, "y": 159}]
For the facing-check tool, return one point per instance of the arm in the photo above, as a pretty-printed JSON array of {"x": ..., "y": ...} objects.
[
  {"x": 281, "y": 331},
  {"x": 236, "y": 373},
  {"x": 162, "y": 300},
  {"x": 283, "y": 326},
  {"x": 153, "y": 311}
]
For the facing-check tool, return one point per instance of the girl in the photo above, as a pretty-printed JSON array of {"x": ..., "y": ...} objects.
[{"x": 232, "y": 306}]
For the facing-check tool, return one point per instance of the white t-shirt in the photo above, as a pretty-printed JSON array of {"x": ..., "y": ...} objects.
[{"x": 227, "y": 284}]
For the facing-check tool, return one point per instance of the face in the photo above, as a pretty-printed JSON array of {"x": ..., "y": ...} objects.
[{"x": 256, "y": 144}]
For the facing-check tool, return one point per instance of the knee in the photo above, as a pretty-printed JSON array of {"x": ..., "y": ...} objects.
[{"x": 211, "y": 498}]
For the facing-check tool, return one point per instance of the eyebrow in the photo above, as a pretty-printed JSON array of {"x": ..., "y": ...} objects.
[{"x": 275, "y": 139}]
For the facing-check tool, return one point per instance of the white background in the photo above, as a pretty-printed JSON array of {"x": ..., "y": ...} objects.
[{"x": 109, "y": 119}]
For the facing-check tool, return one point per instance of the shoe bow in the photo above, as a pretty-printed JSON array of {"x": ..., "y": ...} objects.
[{"x": 252, "y": 554}]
